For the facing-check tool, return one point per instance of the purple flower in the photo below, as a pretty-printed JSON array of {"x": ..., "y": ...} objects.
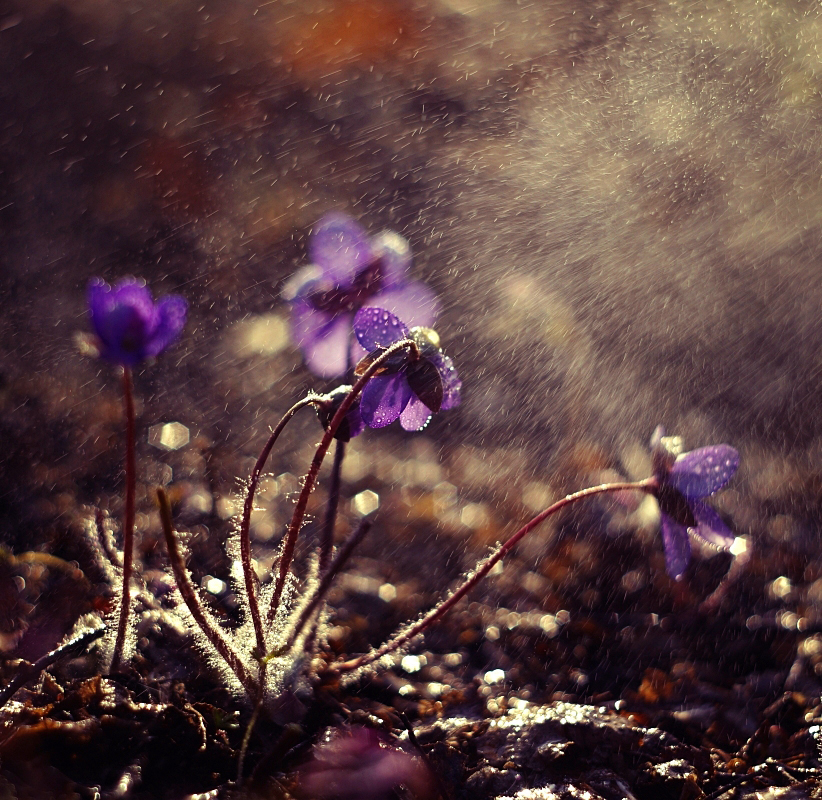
[
  {"x": 682, "y": 480},
  {"x": 327, "y": 405},
  {"x": 358, "y": 765},
  {"x": 411, "y": 388},
  {"x": 350, "y": 270},
  {"x": 130, "y": 327}
]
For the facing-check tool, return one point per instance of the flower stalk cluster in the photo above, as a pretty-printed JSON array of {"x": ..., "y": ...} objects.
[{"x": 355, "y": 303}]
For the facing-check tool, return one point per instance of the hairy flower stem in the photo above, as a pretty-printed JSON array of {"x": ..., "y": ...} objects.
[
  {"x": 245, "y": 526},
  {"x": 189, "y": 595},
  {"x": 485, "y": 567},
  {"x": 290, "y": 542},
  {"x": 327, "y": 540},
  {"x": 128, "y": 520},
  {"x": 328, "y": 578}
]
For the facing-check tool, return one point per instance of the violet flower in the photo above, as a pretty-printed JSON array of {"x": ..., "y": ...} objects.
[
  {"x": 130, "y": 327},
  {"x": 350, "y": 270},
  {"x": 682, "y": 481},
  {"x": 327, "y": 405},
  {"x": 409, "y": 387},
  {"x": 358, "y": 765}
]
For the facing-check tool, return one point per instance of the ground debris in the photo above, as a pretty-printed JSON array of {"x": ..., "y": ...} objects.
[{"x": 603, "y": 754}]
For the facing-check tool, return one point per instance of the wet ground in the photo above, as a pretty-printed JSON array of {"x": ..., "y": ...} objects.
[{"x": 619, "y": 208}]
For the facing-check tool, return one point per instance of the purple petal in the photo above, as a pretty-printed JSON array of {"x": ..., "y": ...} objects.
[
  {"x": 124, "y": 319},
  {"x": 97, "y": 296},
  {"x": 132, "y": 292},
  {"x": 415, "y": 416},
  {"x": 340, "y": 246},
  {"x": 702, "y": 472},
  {"x": 171, "y": 317},
  {"x": 308, "y": 324},
  {"x": 415, "y": 304},
  {"x": 323, "y": 339},
  {"x": 710, "y": 526},
  {"x": 384, "y": 399},
  {"x": 451, "y": 383},
  {"x": 356, "y": 425},
  {"x": 302, "y": 282},
  {"x": 395, "y": 254},
  {"x": 376, "y": 328},
  {"x": 104, "y": 304},
  {"x": 677, "y": 547}
]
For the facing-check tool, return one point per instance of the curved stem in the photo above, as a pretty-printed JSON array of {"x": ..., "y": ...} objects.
[
  {"x": 290, "y": 541},
  {"x": 189, "y": 595},
  {"x": 485, "y": 567},
  {"x": 245, "y": 525},
  {"x": 327, "y": 540},
  {"x": 128, "y": 520}
]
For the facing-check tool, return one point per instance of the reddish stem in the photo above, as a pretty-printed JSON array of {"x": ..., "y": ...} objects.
[
  {"x": 191, "y": 600},
  {"x": 328, "y": 578},
  {"x": 128, "y": 520},
  {"x": 245, "y": 525},
  {"x": 290, "y": 542},
  {"x": 438, "y": 611},
  {"x": 327, "y": 541}
]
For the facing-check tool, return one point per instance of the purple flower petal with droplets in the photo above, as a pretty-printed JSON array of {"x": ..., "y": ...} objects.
[
  {"x": 677, "y": 547},
  {"x": 704, "y": 471},
  {"x": 356, "y": 424},
  {"x": 415, "y": 416},
  {"x": 451, "y": 383},
  {"x": 384, "y": 399},
  {"x": 340, "y": 246},
  {"x": 415, "y": 304},
  {"x": 129, "y": 326},
  {"x": 412, "y": 384},
  {"x": 710, "y": 526},
  {"x": 680, "y": 481},
  {"x": 375, "y": 328},
  {"x": 424, "y": 379}
]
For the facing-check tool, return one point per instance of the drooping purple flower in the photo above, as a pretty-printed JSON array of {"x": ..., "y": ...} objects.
[
  {"x": 406, "y": 387},
  {"x": 682, "y": 481},
  {"x": 130, "y": 326},
  {"x": 350, "y": 270},
  {"x": 327, "y": 405}
]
